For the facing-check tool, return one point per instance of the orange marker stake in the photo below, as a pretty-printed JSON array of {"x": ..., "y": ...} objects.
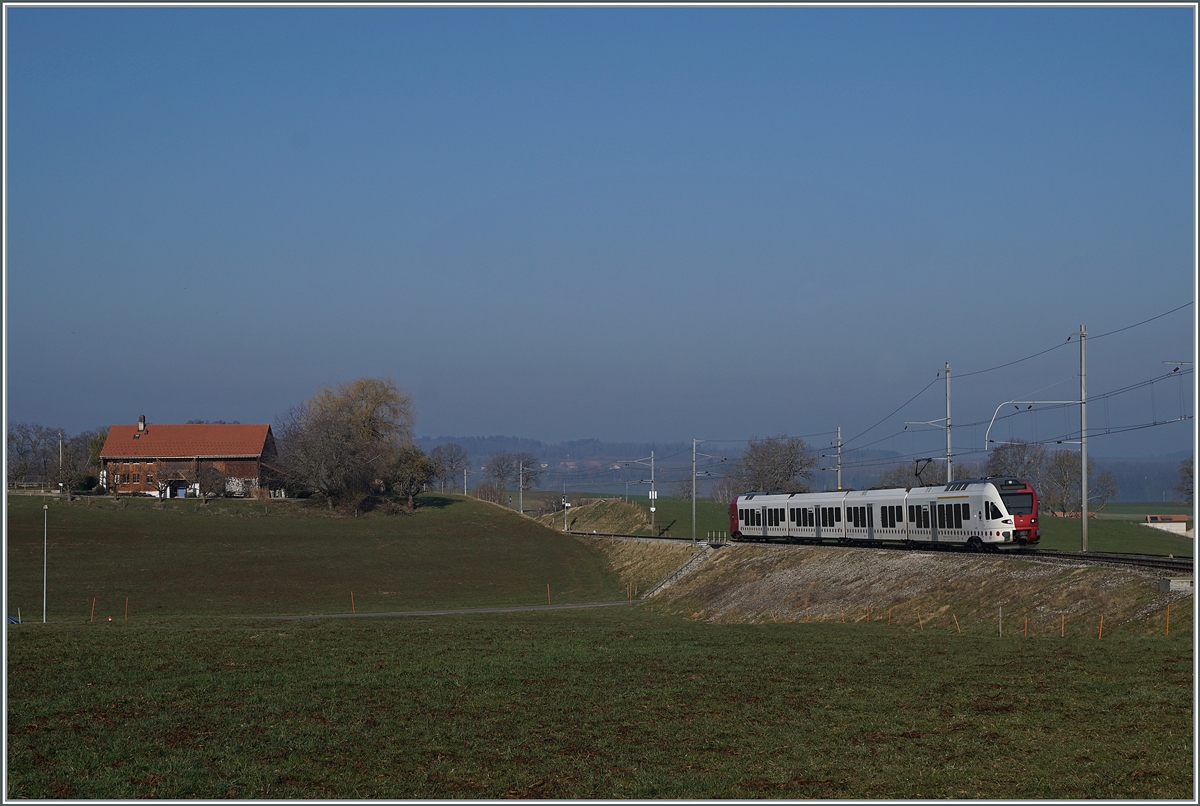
[
  {"x": 843, "y": 614},
  {"x": 631, "y": 593},
  {"x": 547, "y": 593},
  {"x": 889, "y": 616},
  {"x": 956, "y": 624},
  {"x": 127, "y": 608},
  {"x": 1101, "y": 635},
  {"x": 352, "y": 610},
  {"x": 1027, "y": 626},
  {"x": 1063, "y": 627},
  {"x": 922, "y": 623},
  {"x": 93, "y": 616},
  {"x": 806, "y": 612}
]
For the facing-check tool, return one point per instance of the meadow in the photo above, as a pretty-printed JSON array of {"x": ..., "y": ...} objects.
[{"x": 201, "y": 694}]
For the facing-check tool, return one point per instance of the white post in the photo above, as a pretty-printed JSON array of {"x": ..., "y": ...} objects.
[
  {"x": 45, "y": 553},
  {"x": 521, "y": 486},
  {"x": 652, "y": 497}
]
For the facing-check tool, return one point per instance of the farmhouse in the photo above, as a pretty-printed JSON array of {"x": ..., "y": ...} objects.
[{"x": 173, "y": 461}]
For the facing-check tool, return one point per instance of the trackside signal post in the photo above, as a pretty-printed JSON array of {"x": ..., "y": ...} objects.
[{"x": 653, "y": 492}]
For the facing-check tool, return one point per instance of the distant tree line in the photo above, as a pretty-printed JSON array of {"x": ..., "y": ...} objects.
[{"x": 34, "y": 455}]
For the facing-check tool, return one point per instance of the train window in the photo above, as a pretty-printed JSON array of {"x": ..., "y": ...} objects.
[
  {"x": 966, "y": 509},
  {"x": 837, "y": 515},
  {"x": 941, "y": 516},
  {"x": 912, "y": 515},
  {"x": 958, "y": 516}
]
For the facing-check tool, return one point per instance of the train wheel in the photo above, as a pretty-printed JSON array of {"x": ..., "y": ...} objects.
[{"x": 975, "y": 544}]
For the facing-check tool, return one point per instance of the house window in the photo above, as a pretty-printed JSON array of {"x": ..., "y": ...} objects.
[
  {"x": 137, "y": 478},
  {"x": 149, "y": 478}
]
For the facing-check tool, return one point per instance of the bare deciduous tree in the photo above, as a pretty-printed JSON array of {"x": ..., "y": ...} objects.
[
  {"x": 211, "y": 482},
  {"x": 1019, "y": 459},
  {"x": 1184, "y": 488},
  {"x": 32, "y": 452},
  {"x": 1062, "y": 488},
  {"x": 904, "y": 475},
  {"x": 489, "y": 491},
  {"x": 528, "y": 470},
  {"x": 451, "y": 460},
  {"x": 778, "y": 464},
  {"x": 726, "y": 487},
  {"x": 501, "y": 467}
]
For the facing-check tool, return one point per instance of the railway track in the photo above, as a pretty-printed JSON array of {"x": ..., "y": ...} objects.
[{"x": 1175, "y": 565}]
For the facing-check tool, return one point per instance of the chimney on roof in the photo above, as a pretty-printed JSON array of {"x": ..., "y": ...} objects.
[{"x": 141, "y": 422}]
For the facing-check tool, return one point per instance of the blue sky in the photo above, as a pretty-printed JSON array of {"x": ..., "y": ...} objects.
[{"x": 621, "y": 223}]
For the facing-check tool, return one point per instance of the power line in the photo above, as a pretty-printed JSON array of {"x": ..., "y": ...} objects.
[{"x": 910, "y": 400}]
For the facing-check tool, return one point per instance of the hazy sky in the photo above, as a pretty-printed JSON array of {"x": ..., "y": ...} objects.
[{"x": 621, "y": 223}]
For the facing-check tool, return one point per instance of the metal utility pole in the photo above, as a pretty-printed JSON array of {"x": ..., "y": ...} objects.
[
  {"x": 464, "y": 482},
  {"x": 1083, "y": 436},
  {"x": 653, "y": 492},
  {"x": 564, "y": 503},
  {"x": 694, "y": 441},
  {"x": 946, "y": 419},
  {"x": 949, "y": 467},
  {"x": 839, "y": 456},
  {"x": 521, "y": 486},
  {"x": 45, "y": 553}
]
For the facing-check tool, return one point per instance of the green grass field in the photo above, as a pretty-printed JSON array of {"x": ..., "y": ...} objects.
[
  {"x": 1122, "y": 536},
  {"x": 240, "y": 558},
  {"x": 199, "y": 694}
]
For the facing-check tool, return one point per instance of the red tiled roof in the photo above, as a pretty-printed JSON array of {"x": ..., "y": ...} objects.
[{"x": 205, "y": 440}]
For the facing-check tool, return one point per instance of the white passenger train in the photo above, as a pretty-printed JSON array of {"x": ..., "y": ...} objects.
[{"x": 969, "y": 512}]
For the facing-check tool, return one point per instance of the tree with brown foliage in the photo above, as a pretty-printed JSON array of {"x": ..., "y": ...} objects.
[
  {"x": 342, "y": 439},
  {"x": 409, "y": 472}
]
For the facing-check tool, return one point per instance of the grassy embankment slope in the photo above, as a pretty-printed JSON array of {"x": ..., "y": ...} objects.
[
  {"x": 195, "y": 696},
  {"x": 672, "y": 518}
]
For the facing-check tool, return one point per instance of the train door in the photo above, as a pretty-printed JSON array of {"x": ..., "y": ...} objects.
[
  {"x": 870, "y": 522},
  {"x": 762, "y": 512},
  {"x": 929, "y": 510},
  {"x": 919, "y": 523}
]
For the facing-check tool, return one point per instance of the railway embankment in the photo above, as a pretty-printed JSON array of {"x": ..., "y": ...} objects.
[{"x": 929, "y": 590}]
